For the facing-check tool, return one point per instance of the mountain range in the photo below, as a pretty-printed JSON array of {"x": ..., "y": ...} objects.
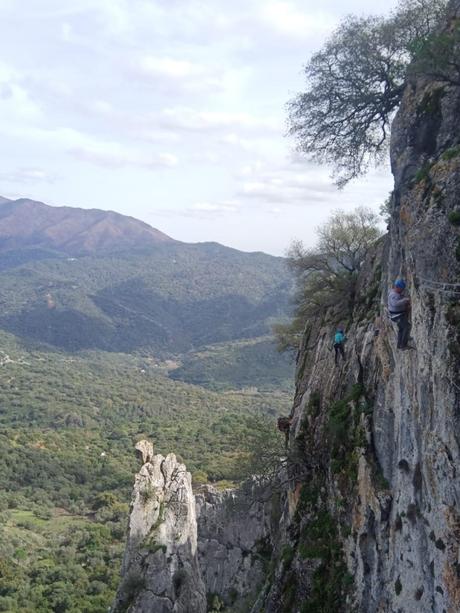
[
  {"x": 29, "y": 224},
  {"x": 77, "y": 279}
]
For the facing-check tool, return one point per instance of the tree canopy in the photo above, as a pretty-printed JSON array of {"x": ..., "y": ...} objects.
[{"x": 354, "y": 85}]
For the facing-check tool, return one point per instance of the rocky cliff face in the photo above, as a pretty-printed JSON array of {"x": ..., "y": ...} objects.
[
  {"x": 374, "y": 521},
  {"x": 234, "y": 543}
]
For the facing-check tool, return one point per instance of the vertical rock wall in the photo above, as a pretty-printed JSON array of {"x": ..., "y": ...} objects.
[
  {"x": 234, "y": 542},
  {"x": 413, "y": 554},
  {"x": 375, "y": 442}
]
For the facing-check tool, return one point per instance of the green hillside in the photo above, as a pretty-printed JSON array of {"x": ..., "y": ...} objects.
[
  {"x": 167, "y": 299},
  {"x": 253, "y": 363}
]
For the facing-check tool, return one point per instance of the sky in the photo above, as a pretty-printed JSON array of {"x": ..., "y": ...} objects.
[{"x": 172, "y": 111}]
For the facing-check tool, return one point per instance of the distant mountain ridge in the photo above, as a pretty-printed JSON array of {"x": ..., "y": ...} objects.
[
  {"x": 26, "y": 223},
  {"x": 78, "y": 279}
]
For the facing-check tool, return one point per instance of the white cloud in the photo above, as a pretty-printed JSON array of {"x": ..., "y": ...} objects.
[
  {"x": 187, "y": 118},
  {"x": 296, "y": 182},
  {"x": 176, "y": 75},
  {"x": 117, "y": 14},
  {"x": 101, "y": 107},
  {"x": 286, "y": 18},
  {"x": 66, "y": 32},
  {"x": 26, "y": 175},
  {"x": 85, "y": 147},
  {"x": 114, "y": 15},
  {"x": 212, "y": 207},
  {"x": 16, "y": 104},
  {"x": 202, "y": 210},
  {"x": 236, "y": 141},
  {"x": 124, "y": 124},
  {"x": 116, "y": 157},
  {"x": 285, "y": 184},
  {"x": 170, "y": 67}
]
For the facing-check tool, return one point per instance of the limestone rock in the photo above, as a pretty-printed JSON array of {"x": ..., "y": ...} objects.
[
  {"x": 234, "y": 543},
  {"x": 144, "y": 450},
  {"x": 180, "y": 548},
  {"x": 393, "y": 496},
  {"x": 160, "y": 571}
]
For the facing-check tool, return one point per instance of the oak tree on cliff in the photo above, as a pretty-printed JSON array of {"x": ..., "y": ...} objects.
[{"x": 354, "y": 85}]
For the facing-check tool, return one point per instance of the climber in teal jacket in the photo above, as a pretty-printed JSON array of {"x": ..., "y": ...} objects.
[{"x": 339, "y": 340}]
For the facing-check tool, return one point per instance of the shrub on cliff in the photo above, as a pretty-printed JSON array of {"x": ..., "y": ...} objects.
[
  {"x": 326, "y": 275},
  {"x": 355, "y": 83}
]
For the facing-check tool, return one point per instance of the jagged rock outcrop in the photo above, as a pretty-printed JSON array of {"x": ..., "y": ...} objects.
[
  {"x": 144, "y": 451},
  {"x": 160, "y": 571},
  {"x": 183, "y": 551}
]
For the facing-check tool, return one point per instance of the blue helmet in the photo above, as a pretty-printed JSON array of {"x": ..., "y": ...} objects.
[
  {"x": 400, "y": 283},
  {"x": 340, "y": 329}
]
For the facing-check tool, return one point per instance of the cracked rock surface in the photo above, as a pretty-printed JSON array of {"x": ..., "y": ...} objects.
[
  {"x": 160, "y": 571},
  {"x": 181, "y": 547},
  {"x": 234, "y": 529}
]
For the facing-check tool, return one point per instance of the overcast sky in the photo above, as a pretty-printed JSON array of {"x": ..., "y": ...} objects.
[{"x": 172, "y": 111}]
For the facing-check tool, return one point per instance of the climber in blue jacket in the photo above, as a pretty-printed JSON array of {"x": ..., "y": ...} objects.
[
  {"x": 339, "y": 340},
  {"x": 398, "y": 309}
]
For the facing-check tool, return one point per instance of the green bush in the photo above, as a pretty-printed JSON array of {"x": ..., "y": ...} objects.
[
  {"x": 423, "y": 174},
  {"x": 287, "y": 555},
  {"x": 454, "y": 218},
  {"x": 450, "y": 154}
]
